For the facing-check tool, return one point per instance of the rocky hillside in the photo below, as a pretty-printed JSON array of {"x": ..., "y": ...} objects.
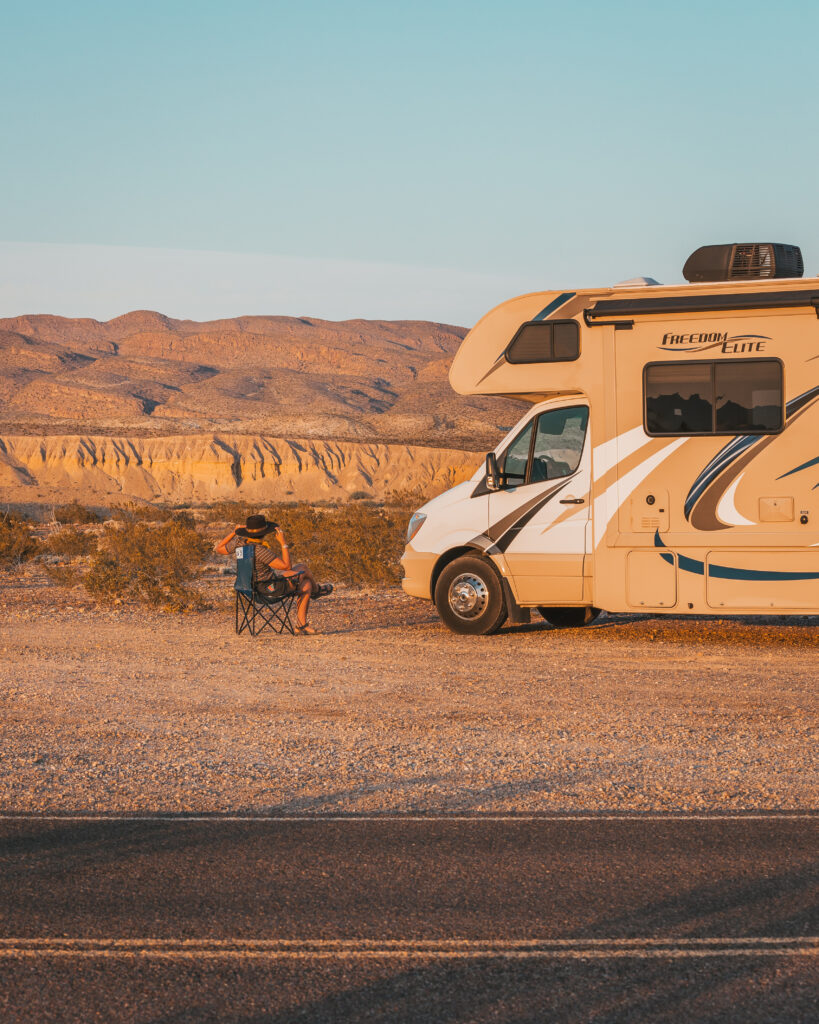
[
  {"x": 201, "y": 468},
  {"x": 145, "y": 374}
]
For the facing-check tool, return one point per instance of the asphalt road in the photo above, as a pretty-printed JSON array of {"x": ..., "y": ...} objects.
[{"x": 429, "y": 920}]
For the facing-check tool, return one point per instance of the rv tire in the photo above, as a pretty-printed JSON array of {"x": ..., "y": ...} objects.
[
  {"x": 469, "y": 596},
  {"x": 569, "y": 618}
]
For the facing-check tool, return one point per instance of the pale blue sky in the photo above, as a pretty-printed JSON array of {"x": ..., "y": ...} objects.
[{"x": 444, "y": 154}]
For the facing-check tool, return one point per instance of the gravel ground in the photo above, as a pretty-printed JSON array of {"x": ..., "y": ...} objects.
[{"x": 127, "y": 709}]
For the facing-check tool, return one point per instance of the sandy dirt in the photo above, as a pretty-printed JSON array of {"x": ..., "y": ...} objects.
[{"x": 127, "y": 709}]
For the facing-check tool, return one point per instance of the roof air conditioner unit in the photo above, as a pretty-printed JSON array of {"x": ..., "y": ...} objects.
[{"x": 743, "y": 261}]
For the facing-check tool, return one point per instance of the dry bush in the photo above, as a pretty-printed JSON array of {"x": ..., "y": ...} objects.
[
  {"x": 70, "y": 541},
  {"x": 407, "y": 499},
  {"x": 355, "y": 544},
  {"x": 17, "y": 542},
  {"x": 152, "y": 564},
  {"x": 228, "y": 512},
  {"x": 64, "y": 575},
  {"x": 133, "y": 513},
  {"x": 74, "y": 512}
]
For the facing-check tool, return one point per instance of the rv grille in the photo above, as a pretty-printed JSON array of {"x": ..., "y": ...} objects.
[{"x": 752, "y": 261}]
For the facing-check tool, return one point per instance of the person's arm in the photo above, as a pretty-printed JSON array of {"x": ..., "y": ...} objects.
[
  {"x": 222, "y": 547},
  {"x": 284, "y": 562}
]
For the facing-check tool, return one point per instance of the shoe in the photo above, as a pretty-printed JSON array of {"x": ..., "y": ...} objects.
[
  {"x": 323, "y": 591},
  {"x": 305, "y": 630}
]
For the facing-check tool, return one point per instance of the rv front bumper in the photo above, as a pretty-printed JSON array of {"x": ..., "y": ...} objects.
[{"x": 417, "y": 566}]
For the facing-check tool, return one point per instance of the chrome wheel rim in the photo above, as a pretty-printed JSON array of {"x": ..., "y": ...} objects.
[{"x": 468, "y": 596}]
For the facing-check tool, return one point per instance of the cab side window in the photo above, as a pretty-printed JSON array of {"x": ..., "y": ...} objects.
[
  {"x": 558, "y": 443},
  {"x": 553, "y": 452}
]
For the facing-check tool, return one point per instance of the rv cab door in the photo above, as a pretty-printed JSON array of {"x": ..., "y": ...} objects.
[{"x": 538, "y": 519}]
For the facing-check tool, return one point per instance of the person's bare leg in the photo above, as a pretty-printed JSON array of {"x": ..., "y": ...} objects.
[
  {"x": 307, "y": 575},
  {"x": 303, "y": 601},
  {"x": 306, "y": 587},
  {"x": 305, "y": 591}
]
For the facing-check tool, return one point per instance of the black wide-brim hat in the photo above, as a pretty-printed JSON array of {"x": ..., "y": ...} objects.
[{"x": 255, "y": 527}]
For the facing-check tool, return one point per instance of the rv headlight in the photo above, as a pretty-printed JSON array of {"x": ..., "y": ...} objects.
[{"x": 415, "y": 524}]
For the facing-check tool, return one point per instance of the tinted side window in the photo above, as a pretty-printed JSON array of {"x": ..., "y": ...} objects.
[
  {"x": 559, "y": 442},
  {"x": 679, "y": 398},
  {"x": 736, "y": 397},
  {"x": 748, "y": 396},
  {"x": 542, "y": 341}
]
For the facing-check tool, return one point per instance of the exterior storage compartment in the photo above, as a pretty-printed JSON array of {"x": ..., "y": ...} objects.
[
  {"x": 651, "y": 580},
  {"x": 757, "y": 580}
]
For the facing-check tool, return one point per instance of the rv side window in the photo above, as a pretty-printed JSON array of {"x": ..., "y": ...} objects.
[
  {"x": 541, "y": 341},
  {"x": 749, "y": 396},
  {"x": 726, "y": 397},
  {"x": 679, "y": 398}
]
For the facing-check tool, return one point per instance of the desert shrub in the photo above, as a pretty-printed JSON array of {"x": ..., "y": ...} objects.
[
  {"x": 133, "y": 513},
  {"x": 152, "y": 564},
  {"x": 70, "y": 541},
  {"x": 360, "y": 496},
  {"x": 64, "y": 575},
  {"x": 228, "y": 512},
  {"x": 355, "y": 544},
  {"x": 407, "y": 499},
  {"x": 74, "y": 512},
  {"x": 17, "y": 542}
]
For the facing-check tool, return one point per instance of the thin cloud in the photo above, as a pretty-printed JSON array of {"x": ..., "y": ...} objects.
[{"x": 102, "y": 282}]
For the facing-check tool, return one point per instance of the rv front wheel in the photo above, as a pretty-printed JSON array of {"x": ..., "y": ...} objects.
[
  {"x": 469, "y": 596},
  {"x": 569, "y": 618}
]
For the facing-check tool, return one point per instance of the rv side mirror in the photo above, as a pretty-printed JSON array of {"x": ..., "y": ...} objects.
[{"x": 493, "y": 476}]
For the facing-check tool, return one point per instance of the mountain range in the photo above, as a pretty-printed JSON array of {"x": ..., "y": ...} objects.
[
  {"x": 147, "y": 374},
  {"x": 145, "y": 407}
]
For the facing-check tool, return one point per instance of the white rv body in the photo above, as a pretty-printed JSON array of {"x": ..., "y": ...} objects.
[{"x": 669, "y": 461}]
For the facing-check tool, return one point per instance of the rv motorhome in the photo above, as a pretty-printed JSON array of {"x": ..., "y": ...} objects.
[{"x": 669, "y": 462}]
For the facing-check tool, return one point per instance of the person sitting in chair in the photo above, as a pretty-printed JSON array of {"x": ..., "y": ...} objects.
[{"x": 257, "y": 531}]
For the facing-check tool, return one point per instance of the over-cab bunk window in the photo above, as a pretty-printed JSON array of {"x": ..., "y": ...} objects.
[
  {"x": 545, "y": 341},
  {"x": 715, "y": 397}
]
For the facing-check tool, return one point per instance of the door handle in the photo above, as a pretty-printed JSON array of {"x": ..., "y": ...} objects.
[{"x": 572, "y": 501}]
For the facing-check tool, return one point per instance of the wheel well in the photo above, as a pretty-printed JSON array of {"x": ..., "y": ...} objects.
[{"x": 445, "y": 559}]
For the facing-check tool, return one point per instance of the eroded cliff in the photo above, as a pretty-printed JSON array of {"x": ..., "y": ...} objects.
[{"x": 206, "y": 467}]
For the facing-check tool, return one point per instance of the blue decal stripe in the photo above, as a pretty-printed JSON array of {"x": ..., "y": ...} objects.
[
  {"x": 721, "y": 461},
  {"x": 553, "y": 305},
  {"x": 727, "y": 572},
  {"x": 805, "y": 465},
  {"x": 725, "y": 456}
]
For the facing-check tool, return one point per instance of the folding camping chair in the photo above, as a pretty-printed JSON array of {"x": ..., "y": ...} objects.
[{"x": 260, "y": 609}]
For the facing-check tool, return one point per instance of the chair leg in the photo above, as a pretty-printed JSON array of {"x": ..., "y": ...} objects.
[
  {"x": 242, "y": 619},
  {"x": 275, "y": 615}
]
